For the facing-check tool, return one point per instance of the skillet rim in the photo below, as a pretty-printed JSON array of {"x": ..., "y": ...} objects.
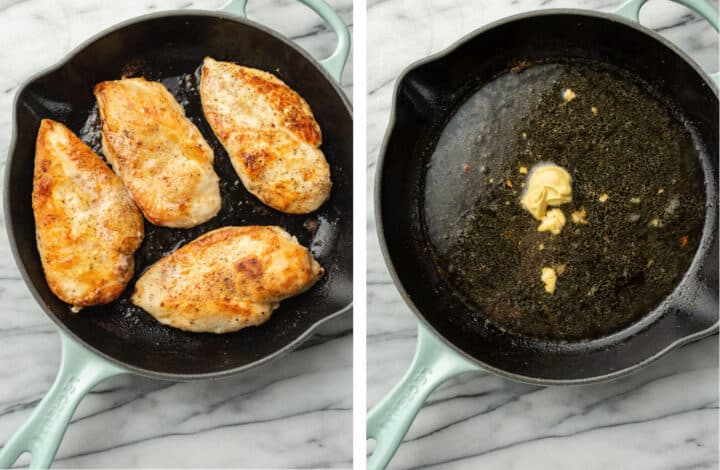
[
  {"x": 377, "y": 206},
  {"x": 64, "y": 60}
]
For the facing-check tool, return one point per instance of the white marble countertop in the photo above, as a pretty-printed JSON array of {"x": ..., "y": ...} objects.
[
  {"x": 665, "y": 417},
  {"x": 296, "y": 412}
]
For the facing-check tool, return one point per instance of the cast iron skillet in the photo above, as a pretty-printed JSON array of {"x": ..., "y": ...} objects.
[
  {"x": 451, "y": 339},
  {"x": 120, "y": 338}
]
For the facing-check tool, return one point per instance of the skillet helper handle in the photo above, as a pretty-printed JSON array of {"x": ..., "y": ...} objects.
[
  {"x": 631, "y": 10},
  {"x": 389, "y": 420},
  {"x": 335, "y": 64},
  {"x": 80, "y": 370}
]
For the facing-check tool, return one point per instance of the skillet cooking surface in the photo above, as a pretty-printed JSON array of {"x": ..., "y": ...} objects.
[
  {"x": 621, "y": 256},
  {"x": 427, "y": 95},
  {"x": 171, "y": 49}
]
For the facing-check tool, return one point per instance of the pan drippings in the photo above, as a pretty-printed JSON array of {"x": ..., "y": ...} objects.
[{"x": 633, "y": 224}]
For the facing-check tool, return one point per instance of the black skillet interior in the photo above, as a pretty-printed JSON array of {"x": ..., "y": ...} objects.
[
  {"x": 171, "y": 48},
  {"x": 425, "y": 99}
]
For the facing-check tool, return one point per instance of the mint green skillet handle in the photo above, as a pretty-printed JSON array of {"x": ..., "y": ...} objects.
[
  {"x": 335, "y": 64},
  {"x": 389, "y": 420},
  {"x": 80, "y": 370},
  {"x": 631, "y": 11}
]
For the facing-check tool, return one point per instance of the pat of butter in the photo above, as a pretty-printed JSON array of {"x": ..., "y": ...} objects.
[
  {"x": 553, "y": 222},
  {"x": 549, "y": 278},
  {"x": 548, "y": 185}
]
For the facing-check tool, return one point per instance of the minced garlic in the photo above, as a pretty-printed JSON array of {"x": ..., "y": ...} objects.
[{"x": 579, "y": 216}]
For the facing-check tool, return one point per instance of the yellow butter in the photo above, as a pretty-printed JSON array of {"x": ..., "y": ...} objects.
[
  {"x": 553, "y": 222},
  {"x": 549, "y": 278},
  {"x": 547, "y": 185}
]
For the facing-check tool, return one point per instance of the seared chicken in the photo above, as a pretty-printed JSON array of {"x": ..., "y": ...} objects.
[
  {"x": 227, "y": 279},
  {"x": 269, "y": 133},
  {"x": 86, "y": 225},
  {"x": 159, "y": 154}
]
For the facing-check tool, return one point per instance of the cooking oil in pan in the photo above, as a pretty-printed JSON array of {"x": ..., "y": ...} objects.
[{"x": 633, "y": 224}]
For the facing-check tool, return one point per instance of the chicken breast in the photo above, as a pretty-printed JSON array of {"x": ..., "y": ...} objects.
[
  {"x": 269, "y": 133},
  {"x": 227, "y": 279},
  {"x": 86, "y": 225},
  {"x": 159, "y": 154}
]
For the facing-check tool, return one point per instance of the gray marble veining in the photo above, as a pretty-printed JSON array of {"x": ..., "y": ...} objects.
[
  {"x": 296, "y": 412},
  {"x": 665, "y": 417}
]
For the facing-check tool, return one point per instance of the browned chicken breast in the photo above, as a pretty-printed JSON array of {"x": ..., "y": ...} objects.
[
  {"x": 159, "y": 154},
  {"x": 86, "y": 224},
  {"x": 269, "y": 133},
  {"x": 227, "y": 279}
]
